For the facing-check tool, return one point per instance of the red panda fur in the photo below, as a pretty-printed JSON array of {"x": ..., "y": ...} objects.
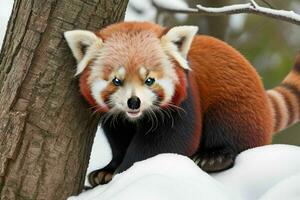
[
  {"x": 180, "y": 90},
  {"x": 215, "y": 66},
  {"x": 85, "y": 88},
  {"x": 231, "y": 107},
  {"x": 86, "y": 91}
]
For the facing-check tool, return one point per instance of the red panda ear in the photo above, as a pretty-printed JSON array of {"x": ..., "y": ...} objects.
[
  {"x": 84, "y": 45},
  {"x": 177, "y": 42}
]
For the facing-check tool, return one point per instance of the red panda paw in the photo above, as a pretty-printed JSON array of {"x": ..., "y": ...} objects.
[
  {"x": 100, "y": 177},
  {"x": 214, "y": 160}
]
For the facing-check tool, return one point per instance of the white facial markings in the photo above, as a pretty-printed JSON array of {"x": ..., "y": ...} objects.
[
  {"x": 143, "y": 72},
  {"x": 96, "y": 88},
  {"x": 146, "y": 96},
  {"x": 121, "y": 96},
  {"x": 169, "y": 89},
  {"x": 121, "y": 73},
  {"x": 127, "y": 52}
]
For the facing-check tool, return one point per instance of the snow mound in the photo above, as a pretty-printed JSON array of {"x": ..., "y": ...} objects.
[
  {"x": 166, "y": 176},
  {"x": 259, "y": 169},
  {"x": 265, "y": 173},
  {"x": 286, "y": 189}
]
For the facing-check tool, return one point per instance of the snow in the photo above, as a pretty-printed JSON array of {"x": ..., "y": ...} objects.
[
  {"x": 284, "y": 13},
  {"x": 171, "y": 4},
  {"x": 224, "y": 8},
  {"x": 267, "y": 173},
  {"x": 286, "y": 189},
  {"x": 5, "y": 10},
  {"x": 261, "y": 168},
  {"x": 147, "y": 12},
  {"x": 167, "y": 176},
  {"x": 253, "y": 6},
  {"x": 101, "y": 154}
]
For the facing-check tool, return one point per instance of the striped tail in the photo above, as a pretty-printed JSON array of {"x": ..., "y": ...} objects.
[{"x": 285, "y": 99}]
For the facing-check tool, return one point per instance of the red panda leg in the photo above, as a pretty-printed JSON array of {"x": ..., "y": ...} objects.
[
  {"x": 119, "y": 138},
  {"x": 227, "y": 131}
]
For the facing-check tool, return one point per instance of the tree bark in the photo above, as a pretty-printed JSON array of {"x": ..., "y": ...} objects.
[{"x": 46, "y": 128}]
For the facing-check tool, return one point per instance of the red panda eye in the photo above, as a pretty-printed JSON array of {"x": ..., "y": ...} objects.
[
  {"x": 149, "y": 81},
  {"x": 117, "y": 82}
]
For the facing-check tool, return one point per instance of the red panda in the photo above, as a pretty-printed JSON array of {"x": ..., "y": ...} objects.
[{"x": 165, "y": 90}]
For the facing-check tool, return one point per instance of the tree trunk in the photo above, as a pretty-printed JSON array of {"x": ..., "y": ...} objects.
[{"x": 46, "y": 128}]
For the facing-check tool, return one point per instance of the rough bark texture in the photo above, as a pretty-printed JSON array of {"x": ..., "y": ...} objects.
[{"x": 46, "y": 129}]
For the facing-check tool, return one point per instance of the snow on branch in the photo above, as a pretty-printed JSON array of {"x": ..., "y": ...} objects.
[{"x": 252, "y": 7}]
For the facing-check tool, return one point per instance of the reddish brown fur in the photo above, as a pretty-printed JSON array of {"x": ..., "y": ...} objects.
[
  {"x": 223, "y": 78},
  {"x": 125, "y": 27},
  {"x": 277, "y": 116},
  {"x": 197, "y": 131},
  {"x": 290, "y": 93},
  {"x": 180, "y": 91},
  {"x": 159, "y": 91},
  {"x": 85, "y": 88},
  {"x": 226, "y": 108},
  {"x": 110, "y": 89},
  {"x": 288, "y": 97},
  {"x": 86, "y": 91},
  {"x": 296, "y": 68}
]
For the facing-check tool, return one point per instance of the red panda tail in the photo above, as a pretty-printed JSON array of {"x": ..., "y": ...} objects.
[{"x": 285, "y": 99}]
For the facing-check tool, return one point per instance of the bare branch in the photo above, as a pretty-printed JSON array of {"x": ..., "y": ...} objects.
[{"x": 252, "y": 8}]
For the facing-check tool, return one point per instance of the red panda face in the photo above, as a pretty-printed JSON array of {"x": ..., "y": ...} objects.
[
  {"x": 131, "y": 68},
  {"x": 132, "y": 74}
]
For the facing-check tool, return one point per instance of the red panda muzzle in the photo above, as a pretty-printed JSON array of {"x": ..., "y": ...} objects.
[{"x": 216, "y": 108}]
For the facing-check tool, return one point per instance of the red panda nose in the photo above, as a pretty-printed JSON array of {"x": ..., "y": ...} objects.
[{"x": 134, "y": 103}]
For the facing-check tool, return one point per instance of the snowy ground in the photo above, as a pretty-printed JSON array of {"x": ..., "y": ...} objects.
[{"x": 265, "y": 173}]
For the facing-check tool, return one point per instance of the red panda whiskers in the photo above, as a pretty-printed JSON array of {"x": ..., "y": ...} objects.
[
  {"x": 114, "y": 119},
  {"x": 168, "y": 112},
  {"x": 205, "y": 99},
  {"x": 156, "y": 119},
  {"x": 152, "y": 119},
  {"x": 164, "y": 111},
  {"x": 175, "y": 108},
  {"x": 106, "y": 116}
]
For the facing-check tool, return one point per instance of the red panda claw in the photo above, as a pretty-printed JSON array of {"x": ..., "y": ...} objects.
[
  {"x": 99, "y": 177},
  {"x": 214, "y": 161}
]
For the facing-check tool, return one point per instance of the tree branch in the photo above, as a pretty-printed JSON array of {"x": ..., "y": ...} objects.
[{"x": 252, "y": 8}]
